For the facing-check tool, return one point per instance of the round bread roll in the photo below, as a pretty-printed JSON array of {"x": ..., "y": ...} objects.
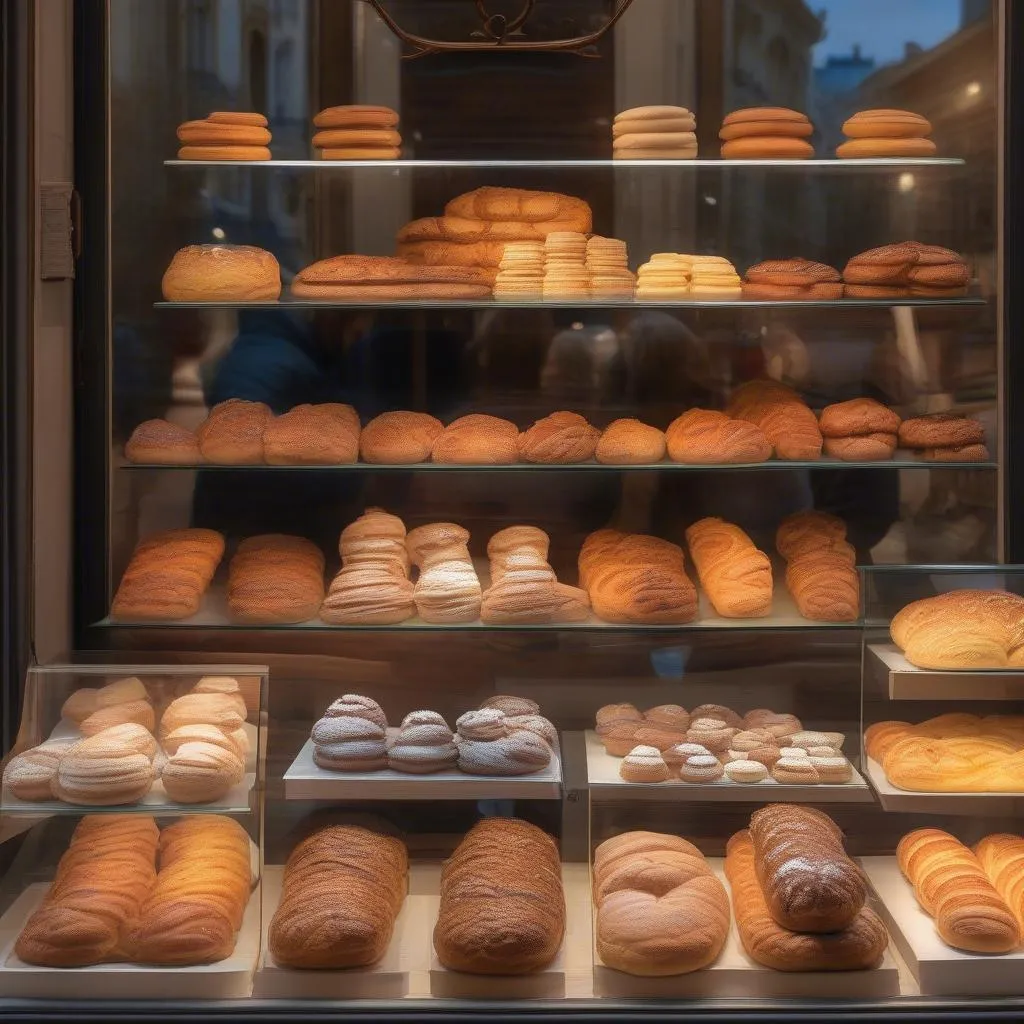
[
  {"x": 562, "y": 438},
  {"x": 628, "y": 442},
  {"x": 222, "y": 273},
  {"x": 478, "y": 440},
  {"x": 160, "y": 443},
  {"x": 399, "y": 438}
]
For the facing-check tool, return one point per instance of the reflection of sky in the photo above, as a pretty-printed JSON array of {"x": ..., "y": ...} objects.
[{"x": 881, "y": 27}]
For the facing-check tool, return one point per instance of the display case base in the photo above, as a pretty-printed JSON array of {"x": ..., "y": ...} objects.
[
  {"x": 908, "y": 682},
  {"x": 894, "y": 799}
]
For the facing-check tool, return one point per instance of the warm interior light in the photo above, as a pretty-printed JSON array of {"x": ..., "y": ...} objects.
[
  {"x": 973, "y": 89},
  {"x": 907, "y": 182},
  {"x": 218, "y": 233}
]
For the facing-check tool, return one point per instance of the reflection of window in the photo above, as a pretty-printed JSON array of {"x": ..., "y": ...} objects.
[
  {"x": 200, "y": 30},
  {"x": 284, "y": 78}
]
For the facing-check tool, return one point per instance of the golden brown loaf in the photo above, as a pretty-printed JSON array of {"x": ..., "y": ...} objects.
[
  {"x": 356, "y": 278},
  {"x": 194, "y": 912},
  {"x": 478, "y": 439},
  {"x": 810, "y": 531},
  {"x": 660, "y": 910},
  {"x": 232, "y": 435},
  {"x": 168, "y": 575},
  {"x": 857, "y": 947},
  {"x": 275, "y": 578},
  {"x": 562, "y": 437},
  {"x": 963, "y": 629},
  {"x": 312, "y": 435},
  {"x": 222, "y": 273},
  {"x": 159, "y": 443},
  {"x": 517, "y": 204},
  {"x": 702, "y": 436},
  {"x": 1002, "y": 859},
  {"x": 502, "y": 905},
  {"x": 343, "y": 889},
  {"x": 636, "y": 578},
  {"x": 399, "y": 438},
  {"x": 97, "y": 894},
  {"x": 790, "y": 426},
  {"x": 821, "y": 571},
  {"x": 808, "y": 881},
  {"x": 736, "y": 576},
  {"x": 628, "y": 442},
  {"x": 952, "y": 886}
]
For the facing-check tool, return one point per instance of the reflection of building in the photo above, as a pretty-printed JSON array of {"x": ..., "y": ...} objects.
[{"x": 833, "y": 96}]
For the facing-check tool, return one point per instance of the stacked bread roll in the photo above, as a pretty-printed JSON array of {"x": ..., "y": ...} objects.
[
  {"x": 634, "y": 578},
  {"x": 945, "y": 437},
  {"x": 490, "y": 743},
  {"x": 712, "y": 742},
  {"x": 351, "y": 736},
  {"x": 343, "y": 889},
  {"x": 357, "y": 132},
  {"x": 373, "y": 585},
  {"x": 886, "y": 133},
  {"x": 399, "y": 438},
  {"x": 167, "y": 576},
  {"x": 477, "y": 440},
  {"x": 225, "y": 135},
  {"x": 654, "y": 133},
  {"x": 906, "y": 269},
  {"x": 275, "y": 578},
  {"x": 821, "y": 567},
  {"x": 608, "y": 267},
  {"x": 860, "y": 430},
  {"x": 628, "y": 442},
  {"x": 372, "y": 278},
  {"x": 786, "y": 420},
  {"x": 561, "y": 438},
  {"x": 448, "y": 589},
  {"x": 502, "y": 904},
  {"x": 660, "y": 909},
  {"x": 565, "y": 266},
  {"x": 954, "y": 753},
  {"x": 424, "y": 744},
  {"x": 109, "y": 903},
  {"x": 963, "y": 629},
  {"x": 476, "y": 227},
  {"x": 666, "y": 275},
  {"x": 735, "y": 574},
  {"x": 766, "y": 133},
  {"x": 714, "y": 277},
  {"x": 707, "y": 437},
  {"x": 792, "y": 280},
  {"x": 222, "y": 273},
  {"x": 957, "y": 888},
  {"x": 524, "y": 588},
  {"x": 521, "y": 271},
  {"x": 798, "y": 900}
]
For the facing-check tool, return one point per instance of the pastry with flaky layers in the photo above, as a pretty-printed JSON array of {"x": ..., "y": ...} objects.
[{"x": 448, "y": 589}]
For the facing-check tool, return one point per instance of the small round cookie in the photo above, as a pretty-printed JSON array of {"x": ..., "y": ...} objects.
[
  {"x": 765, "y": 121},
  {"x": 247, "y": 153},
  {"x": 655, "y": 141},
  {"x": 666, "y": 124},
  {"x": 746, "y": 771},
  {"x": 238, "y": 117},
  {"x": 366, "y": 153},
  {"x": 359, "y": 138},
  {"x": 797, "y": 771},
  {"x": 832, "y": 769},
  {"x": 677, "y": 153},
  {"x": 356, "y": 115},
  {"x": 767, "y": 148},
  {"x": 867, "y": 149},
  {"x": 355, "y": 705},
  {"x": 701, "y": 768},
  {"x": 675, "y": 757},
  {"x": 644, "y": 764}
]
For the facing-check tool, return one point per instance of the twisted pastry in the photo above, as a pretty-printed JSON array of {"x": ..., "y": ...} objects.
[
  {"x": 448, "y": 589},
  {"x": 821, "y": 571},
  {"x": 736, "y": 576}
]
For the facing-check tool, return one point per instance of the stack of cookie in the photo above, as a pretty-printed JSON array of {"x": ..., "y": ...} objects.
[
  {"x": 714, "y": 277},
  {"x": 945, "y": 437},
  {"x": 357, "y": 132},
  {"x": 766, "y": 133},
  {"x": 886, "y": 133},
  {"x": 521, "y": 271},
  {"x": 225, "y": 135},
  {"x": 565, "y": 266},
  {"x": 786, "y": 280},
  {"x": 608, "y": 265},
  {"x": 905, "y": 269},
  {"x": 654, "y": 133},
  {"x": 666, "y": 275},
  {"x": 860, "y": 430}
]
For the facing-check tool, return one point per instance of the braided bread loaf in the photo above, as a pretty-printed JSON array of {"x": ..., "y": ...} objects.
[
  {"x": 660, "y": 910},
  {"x": 1002, "y": 858},
  {"x": 951, "y": 885},
  {"x": 821, "y": 571},
  {"x": 736, "y": 575}
]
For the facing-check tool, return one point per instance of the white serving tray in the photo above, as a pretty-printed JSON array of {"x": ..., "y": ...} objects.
[
  {"x": 229, "y": 979},
  {"x": 908, "y": 682},
  {"x": 939, "y": 969},
  {"x": 605, "y": 781},
  {"x": 306, "y": 780},
  {"x": 735, "y": 976},
  {"x": 236, "y": 799},
  {"x": 892, "y": 798}
]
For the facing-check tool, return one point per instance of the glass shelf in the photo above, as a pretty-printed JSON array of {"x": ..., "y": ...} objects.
[
  {"x": 300, "y": 304},
  {"x": 903, "y": 462},
  {"x": 830, "y": 163}
]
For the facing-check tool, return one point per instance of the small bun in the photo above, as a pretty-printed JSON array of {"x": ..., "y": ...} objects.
[
  {"x": 478, "y": 440},
  {"x": 399, "y": 438},
  {"x": 628, "y": 442},
  {"x": 225, "y": 273}
]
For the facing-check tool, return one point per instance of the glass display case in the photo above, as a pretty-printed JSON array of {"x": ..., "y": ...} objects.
[{"x": 565, "y": 401}]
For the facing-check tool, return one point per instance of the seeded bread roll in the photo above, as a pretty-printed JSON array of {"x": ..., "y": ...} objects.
[
  {"x": 232, "y": 435},
  {"x": 628, "y": 442},
  {"x": 478, "y": 440},
  {"x": 562, "y": 437},
  {"x": 399, "y": 438},
  {"x": 312, "y": 435},
  {"x": 222, "y": 273},
  {"x": 160, "y": 443}
]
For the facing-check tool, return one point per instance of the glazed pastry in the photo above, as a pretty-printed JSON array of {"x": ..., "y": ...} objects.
[
  {"x": 660, "y": 909},
  {"x": 858, "y": 946},
  {"x": 736, "y": 576},
  {"x": 343, "y": 889},
  {"x": 952, "y": 886},
  {"x": 502, "y": 906}
]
